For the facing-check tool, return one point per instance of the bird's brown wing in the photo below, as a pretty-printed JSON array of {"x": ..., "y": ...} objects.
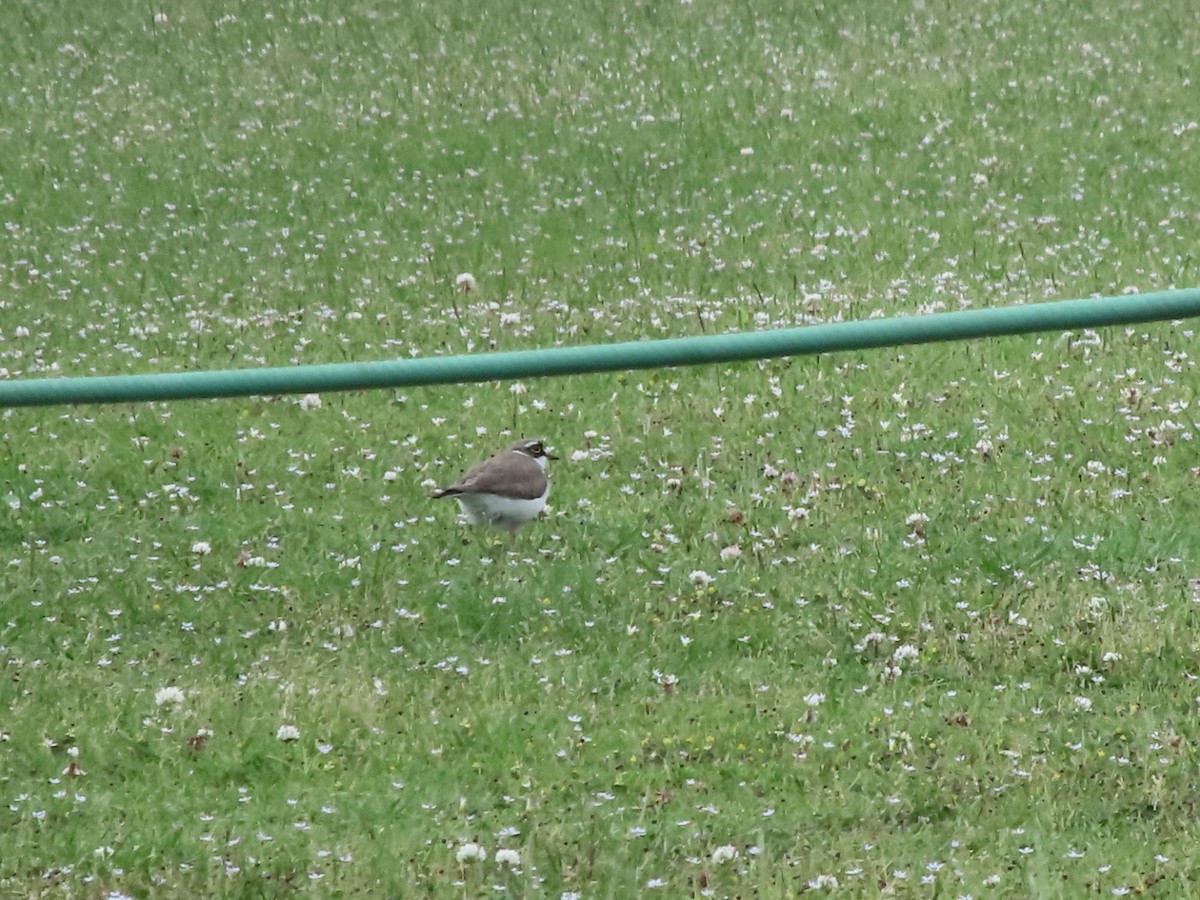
[
  {"x": 498, "y": 475},
  {"x": 501, "y": 477}
]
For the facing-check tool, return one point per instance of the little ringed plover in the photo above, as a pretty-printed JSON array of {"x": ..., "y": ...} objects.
[{"x": 506, "y": 491}]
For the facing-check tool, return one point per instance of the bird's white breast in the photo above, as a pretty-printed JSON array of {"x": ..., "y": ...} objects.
[{"x": 500, "y": 512}]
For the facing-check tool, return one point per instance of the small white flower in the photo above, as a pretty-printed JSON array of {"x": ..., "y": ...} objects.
[
  {"x": 202, "y": 548},
  {"x": 310, "y": 401},
  {"x": 700, "y": 578},
  {"x": 508, "y": 857},
  {"x": 1083, "y": 703},
  {"x": 814, "y": 699},
  {"x": 169, "y": 694},
  {"x": 916, "y": 524},
  {"x": 465, "y": 282},
  {"x": 666, "y": 679},
  {"x": 161, "y": 18},
  {"x": 906, "y": 651},
  {"x": 288, "y": 733},
  {"x": 823, "y": 881},
  {"x": 469, "y": 852},
  {"x": 731, "y": 552},
  {"x": 724, "y": 854}
]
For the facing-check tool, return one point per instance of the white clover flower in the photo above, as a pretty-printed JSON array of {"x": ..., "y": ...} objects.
[
  {"x": 310, "y": 401},
  {"x": 700, "y": 578},
  {"x": 288, "y": 733},
  {"x": 508, "y": 857},
  {"x": 723, "y": 854},
  {"x": 169, "y": 694},
  {"x": 871, "y": 639},
  {"x": 161, "y": 18},
  {"x": 814, "y": 699},
  {"x": 202, "y": 548},
  {"x": 465, "y": 282},
  {"x": 469, "y": 852},
  {"x": 1083, "y": 703},
  {"x": 906, "y": 651},
  {"x": 823, "y": 881},
  {"x": 733, "y": 551}
]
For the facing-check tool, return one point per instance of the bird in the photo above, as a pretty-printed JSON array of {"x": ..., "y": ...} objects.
[{"x": 506, "y": 491}]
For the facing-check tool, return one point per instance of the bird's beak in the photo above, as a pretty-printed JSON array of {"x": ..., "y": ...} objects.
[{"x": 550, "y": 455}]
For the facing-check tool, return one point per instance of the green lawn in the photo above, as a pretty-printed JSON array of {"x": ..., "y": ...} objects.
[{"x": 920, "y": 622}]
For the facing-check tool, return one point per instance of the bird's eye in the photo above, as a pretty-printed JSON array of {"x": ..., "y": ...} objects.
[{"x": 536, "y": 449}]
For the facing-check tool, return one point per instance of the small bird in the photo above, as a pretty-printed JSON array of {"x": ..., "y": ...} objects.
[{"x": 506, "y": 491}]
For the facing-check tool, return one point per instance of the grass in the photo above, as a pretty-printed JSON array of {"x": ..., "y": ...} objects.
[{"x": 912, "y": 621}]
